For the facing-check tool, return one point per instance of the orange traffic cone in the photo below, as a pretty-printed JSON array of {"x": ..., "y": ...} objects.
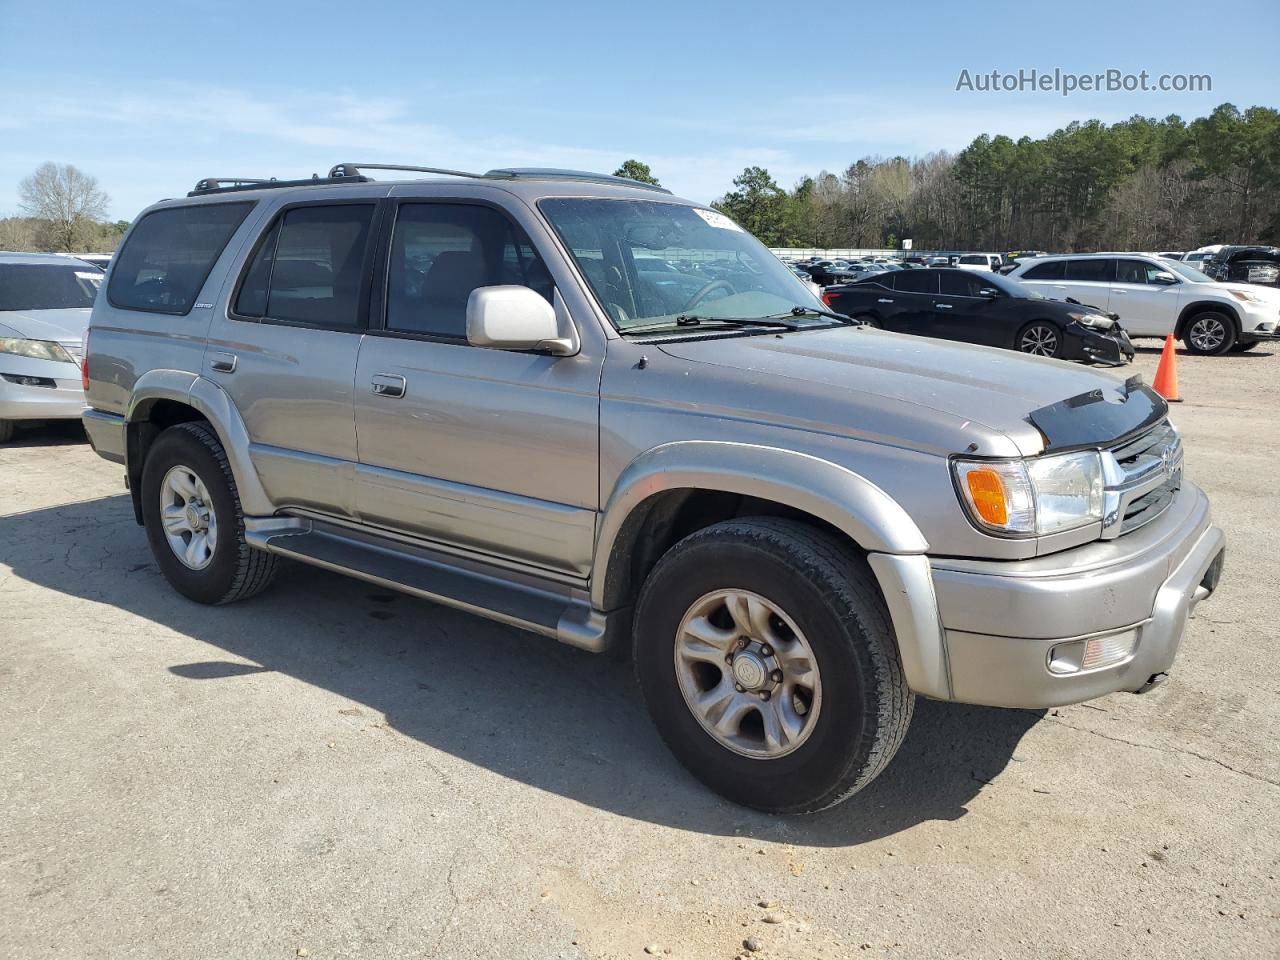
[{"x": 1166, "y": 382}]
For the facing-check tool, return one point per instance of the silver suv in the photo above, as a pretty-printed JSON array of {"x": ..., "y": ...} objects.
[{"x": 583, "y": 407}]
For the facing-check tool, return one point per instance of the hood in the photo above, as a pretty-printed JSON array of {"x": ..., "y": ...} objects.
[
  {"x": 1001, "y": 390},
  {"x": 64, "y": 325},
  {"x": 1262, "y": 293}
]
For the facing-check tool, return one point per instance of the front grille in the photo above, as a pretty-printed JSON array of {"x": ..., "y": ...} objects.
[{"x": 1142, "y": 477}]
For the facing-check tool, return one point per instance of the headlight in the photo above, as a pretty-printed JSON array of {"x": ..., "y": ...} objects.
[
  {"x": 1245, "y": 296},
  {"x": 35, "y": 349},
  {"x": 1032, "y": 498},
  {"x": 1095, "y": 320}
]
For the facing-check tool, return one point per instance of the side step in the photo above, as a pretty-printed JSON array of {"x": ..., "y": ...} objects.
[{"x": 545, "y": 607}]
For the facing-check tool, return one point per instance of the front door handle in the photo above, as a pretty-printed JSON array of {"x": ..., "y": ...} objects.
[
  {"x": 885, "y": 300},
  {"x": 388, "y": 385},
  {"x": 1119, "y": 292},
  {"x": 222, "y": 362}
]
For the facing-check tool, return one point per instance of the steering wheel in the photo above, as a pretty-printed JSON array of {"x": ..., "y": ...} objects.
[{"x": 705, "y": 289}]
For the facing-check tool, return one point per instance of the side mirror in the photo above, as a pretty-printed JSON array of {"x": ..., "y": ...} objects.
[
  {"x": 512, "y": 317},
  {"x": 989, "y": 292},
  {"x": 1164, "y": 279}
]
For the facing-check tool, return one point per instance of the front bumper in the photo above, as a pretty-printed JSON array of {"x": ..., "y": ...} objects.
[
  {"x": 1095, "y": 346},
  {"x": 63, "y": 400},
  {"x": 1011, "y": 629}
]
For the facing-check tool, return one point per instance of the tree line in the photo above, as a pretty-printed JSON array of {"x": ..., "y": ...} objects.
[{"x": 1142, "y": 184}]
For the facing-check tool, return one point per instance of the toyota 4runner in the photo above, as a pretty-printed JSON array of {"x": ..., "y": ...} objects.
[{"x": 588, "y": 409}]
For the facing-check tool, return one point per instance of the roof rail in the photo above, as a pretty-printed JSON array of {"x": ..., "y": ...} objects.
[
  {"x": 234, "y": 184},
  {"x": 345, "y": 170},
  {"x": 555, "y": 173}
]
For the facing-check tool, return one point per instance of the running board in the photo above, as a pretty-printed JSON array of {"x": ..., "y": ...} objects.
[{"x": 530, "y": 603}]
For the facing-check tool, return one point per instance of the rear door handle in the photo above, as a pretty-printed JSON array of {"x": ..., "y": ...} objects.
[
  {"x": 1120, "y": 292},
  {"x": 222, "y": 362},
  {"x": 885, "y": 300},
  {"x": 943, "y": 306},
  {"x": 389, "y": 385}
]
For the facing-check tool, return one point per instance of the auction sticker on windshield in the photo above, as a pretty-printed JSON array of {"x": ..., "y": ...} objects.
[{"x": 715, "y": 219}]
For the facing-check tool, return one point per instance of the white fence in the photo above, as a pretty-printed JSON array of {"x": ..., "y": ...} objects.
[{"x": 835, "y": 253}]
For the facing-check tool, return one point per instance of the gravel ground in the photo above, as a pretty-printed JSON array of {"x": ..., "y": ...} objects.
[{"x": 333, "y": 771}]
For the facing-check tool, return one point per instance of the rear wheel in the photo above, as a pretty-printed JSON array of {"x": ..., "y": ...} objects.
[
  {"x": 1209, "y": 334},
  {"x": 766, "y": 658},
  {"x": 194, "y": 521},
  {"x": 868, "y": 320},
  {"x": 1041, "y": 339}
]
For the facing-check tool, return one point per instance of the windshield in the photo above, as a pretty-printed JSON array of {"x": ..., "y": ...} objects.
[
  {"x": 718, "y": 270},
  {"x": 47, "y": 286},
  {"x": 1186, "y": 271}
]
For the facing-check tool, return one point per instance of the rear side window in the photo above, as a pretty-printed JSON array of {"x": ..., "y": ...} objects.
[
  {"x": 440, "y": 252},
  {"x": 1053, "y": 270},
  {"x": 1096, "y": 271},
  {"x": 309, "y": 267},
  {"x": 916, "y": 281},
  {"x": 169, "y": 254},
  {"x": 973, "y": 258}
]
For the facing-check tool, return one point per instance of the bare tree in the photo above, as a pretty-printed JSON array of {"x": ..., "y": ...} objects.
[{"x": 66, "y": 198}]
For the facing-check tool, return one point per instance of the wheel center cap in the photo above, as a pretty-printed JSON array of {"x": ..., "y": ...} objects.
[
  {"x": 194, "y": 518},
  {"x": 749, "y": 670}
]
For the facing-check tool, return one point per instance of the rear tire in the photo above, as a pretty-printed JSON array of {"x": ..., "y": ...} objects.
[
  {"x": 189, "y": 495},
  {"x": 868, "y": 320},
  {"x": 7, "y": 429},
  {"x": 820, "y": 659},
  {"x": 1209, "y": 334}
]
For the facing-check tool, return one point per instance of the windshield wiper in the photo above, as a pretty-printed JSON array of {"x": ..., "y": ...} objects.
[
  {"x": 693, "y": 320},
  {"x": 814, "y": 311}
]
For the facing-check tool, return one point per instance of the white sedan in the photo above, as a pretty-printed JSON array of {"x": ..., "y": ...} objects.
[{"x": 45, "y": 302}]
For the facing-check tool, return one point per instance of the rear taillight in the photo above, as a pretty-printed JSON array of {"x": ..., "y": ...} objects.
[
  {"x": 827, "y": 298},
  {"x": 84, "y": 362}
]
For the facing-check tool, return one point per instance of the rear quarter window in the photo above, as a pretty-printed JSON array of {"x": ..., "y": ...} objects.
[
  {"x": 1054, "y": 270},
  {"x": 169, "y": 255}
]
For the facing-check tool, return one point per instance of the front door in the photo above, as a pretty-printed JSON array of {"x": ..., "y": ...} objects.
[
  {"x": 1147, "y": 308},
  {"x": 489, "y": 450}
]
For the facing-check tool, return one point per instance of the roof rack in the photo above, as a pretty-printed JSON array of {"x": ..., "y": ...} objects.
[
  {"x": 350, "y": 173},
  {"x": 347, "y": 170},
  {"x": 233, "y": 184}
]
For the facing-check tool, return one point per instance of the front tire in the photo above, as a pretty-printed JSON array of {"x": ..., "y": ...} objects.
[
  {"x": 1209, "y": 334},
  {"x": 7, "y": 429},
  {"x": 1040, "y": 339},
  {"x": 194, "y": 521},
  {"x": 765, "y": 655}
]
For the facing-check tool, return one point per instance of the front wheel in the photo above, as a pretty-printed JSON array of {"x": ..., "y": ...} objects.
[
  {"x": 1040, "y": 339},
  {"x": 1210, "y": 334},
  {"x": 766, "y": 658}
]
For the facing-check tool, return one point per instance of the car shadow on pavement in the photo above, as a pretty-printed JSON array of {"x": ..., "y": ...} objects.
[
  {"x": 54, "y": 433},
  {"x": 541, "y": 713}
]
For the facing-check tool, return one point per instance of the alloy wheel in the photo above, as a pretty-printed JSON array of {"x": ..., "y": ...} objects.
[
  {"x": 1039, "y": 340},
  {"x": 748, "y": 674},
  {"x": 188, "y": 518},
  {"x": 1207, "y": 334}
]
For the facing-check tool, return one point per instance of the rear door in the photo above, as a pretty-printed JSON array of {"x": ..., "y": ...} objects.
[
  {"x": 1089, "y": 280},
  {"x": 286, "y": 347},
  {"x": 914, "y": 295}
]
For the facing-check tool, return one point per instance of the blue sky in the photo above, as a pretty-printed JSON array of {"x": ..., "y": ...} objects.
[{"x": 151, "y": 96}]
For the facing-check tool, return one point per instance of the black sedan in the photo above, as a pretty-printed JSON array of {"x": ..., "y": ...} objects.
[{"x": 985, "y": 308}]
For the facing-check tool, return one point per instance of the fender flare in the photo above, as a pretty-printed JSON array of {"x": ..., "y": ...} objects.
[
  {"x": 216, "y": 406},
  {"x": 1204, "y": 306},
  {"x": 835, "y": 494}
]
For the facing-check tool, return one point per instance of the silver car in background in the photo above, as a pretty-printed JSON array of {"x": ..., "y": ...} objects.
[{"x": 45, "y": 301}]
